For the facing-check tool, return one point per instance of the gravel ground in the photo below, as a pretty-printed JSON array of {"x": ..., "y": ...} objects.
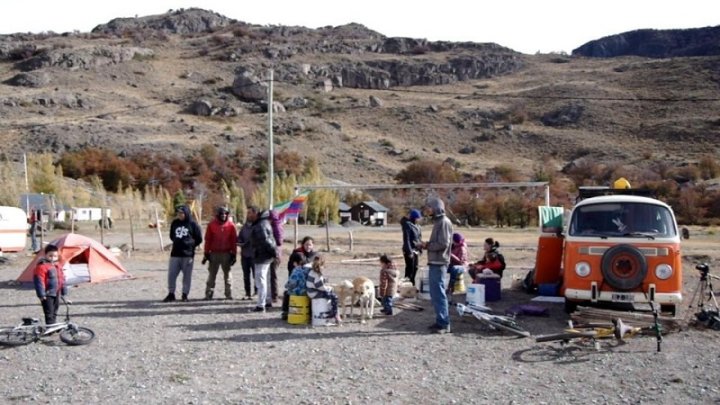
[{"x": 218, "y": 352}]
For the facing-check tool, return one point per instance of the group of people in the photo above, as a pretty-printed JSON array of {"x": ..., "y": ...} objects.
[
  {"x": 446, "y": 253},
  {"x": 260, "y": 241}
]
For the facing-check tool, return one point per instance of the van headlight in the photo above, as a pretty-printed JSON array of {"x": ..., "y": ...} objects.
[
  {"x": 663, "y": 271},
  {"x": 582, "y": 269}
]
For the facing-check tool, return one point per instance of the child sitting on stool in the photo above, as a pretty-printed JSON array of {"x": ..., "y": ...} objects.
[
  {"x": 388, "y": 283},
  {"x": 458, "y": 260},
  {"x": 317, "y": 287}
]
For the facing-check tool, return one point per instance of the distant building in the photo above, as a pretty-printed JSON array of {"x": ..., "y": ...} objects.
[
  {"x": 369, "y": 213},
  {"x": 344, "y": 212},
  {"x": 89, "y": 213}
]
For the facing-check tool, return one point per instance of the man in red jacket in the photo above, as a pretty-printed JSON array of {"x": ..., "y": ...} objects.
[
  {"x": 49, "y": 283},
  {"x": 220, "y": 251}
]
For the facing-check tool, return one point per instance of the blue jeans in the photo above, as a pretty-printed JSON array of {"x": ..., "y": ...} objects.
[
  {"x": 387, "y": 303},
  {"x": 437, "y": 294}
]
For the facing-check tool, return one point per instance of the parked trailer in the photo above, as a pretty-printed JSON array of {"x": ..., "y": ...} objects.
[{"x": 13, "y": 229}]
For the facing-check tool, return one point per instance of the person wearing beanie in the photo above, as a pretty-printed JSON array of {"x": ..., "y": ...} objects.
[
  {"x": 186, "y": 236},
  {"x": 49, "y": 283},
  {"x": 438, "y": 254},
  {"x": 220, "y": 251},
  {"x": 412, "y": 239},
  {"x": 458, "y": 260}
]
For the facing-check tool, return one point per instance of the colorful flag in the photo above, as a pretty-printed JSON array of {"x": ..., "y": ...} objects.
[{"x": 291, "y": 209}]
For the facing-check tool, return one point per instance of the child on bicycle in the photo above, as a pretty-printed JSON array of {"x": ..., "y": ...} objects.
[
  {"x": 49, "y": 283},
  {"x": 388, "y": 284}
]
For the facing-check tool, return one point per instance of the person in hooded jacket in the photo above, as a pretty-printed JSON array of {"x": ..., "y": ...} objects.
[
  {"x": 186, "y": 236},
  {"x": 246, "y": 258},
  {"x": 438, "y": 252},
  {"x": 220, "y": 251},
  {"x": 412, "y": 238},
  {"x": 265, "y": 252},
  {"x": 49, "y": 282}
]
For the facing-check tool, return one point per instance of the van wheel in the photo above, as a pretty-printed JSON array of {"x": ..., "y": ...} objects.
[
  {"x": 672, "y": 309},
  {"x": 624, "y": 267},
  {"x": 570, "y": 306}
]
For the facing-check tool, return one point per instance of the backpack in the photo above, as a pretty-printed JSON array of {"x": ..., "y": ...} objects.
[{"x": 277, "y": 227}]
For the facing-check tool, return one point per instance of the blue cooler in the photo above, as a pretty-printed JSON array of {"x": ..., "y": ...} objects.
[{"x": 492, "y": 287}]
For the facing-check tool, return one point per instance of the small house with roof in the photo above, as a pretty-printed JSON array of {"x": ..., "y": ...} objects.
[
  {"x": 344, "y": 212},
  {"x": 369, "y": 213}
]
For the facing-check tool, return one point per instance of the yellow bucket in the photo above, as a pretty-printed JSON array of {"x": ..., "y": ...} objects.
[
  {"x": 299, "y": 310},
  {"x": 459, "y": 287}
]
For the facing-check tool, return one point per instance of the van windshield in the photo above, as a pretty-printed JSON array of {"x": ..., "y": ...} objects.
[{"x": 615, "y": 219}]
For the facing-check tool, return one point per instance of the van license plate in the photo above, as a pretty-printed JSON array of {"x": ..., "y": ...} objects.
[{"x": 620, "y": 297}]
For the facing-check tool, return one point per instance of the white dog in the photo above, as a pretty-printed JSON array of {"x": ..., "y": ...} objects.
[
  {"x": 344, "y": 291},
  {"x": 364, "y": 291}
]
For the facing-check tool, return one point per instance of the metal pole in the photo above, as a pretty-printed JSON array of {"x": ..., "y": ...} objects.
[
  {"x": 271, "y": 168},
  {"x": 132, "y": 233},
  {"x": 327, "y": 228},
  {"x": 157, "y": 221},
  {"x": 547, "y": 195}
]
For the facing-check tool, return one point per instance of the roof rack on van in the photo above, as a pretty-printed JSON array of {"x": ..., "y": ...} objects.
[{"x": 595, "y": 191}]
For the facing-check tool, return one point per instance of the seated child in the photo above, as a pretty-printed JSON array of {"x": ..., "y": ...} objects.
[
  {"x": 296, "y": 285},
  {"x": 388, "y": 283},
  {"x": 317, "y": 287},
  {"x": 458, "y": 260},
  {"x": 492, "y": 259}
]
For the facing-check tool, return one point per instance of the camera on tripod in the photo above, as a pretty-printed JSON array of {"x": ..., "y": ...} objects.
[{"x": 708, "y": 315}]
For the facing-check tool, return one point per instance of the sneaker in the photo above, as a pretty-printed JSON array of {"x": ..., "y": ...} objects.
[
  {"x": 268, "y": 305},
  {"x": 284, "y": 316},
  {"x": 441, "y": 330},
  {"x": 229, "y": 297},
  {"x": 184, "y": 298},
  {"x": 169, "y": 298},
  {"x": 434, "y": 327},
  {"x": 258, "y": 309},
  {"x": 247, "y": 298},
  {"x": 208, "y": 295}
]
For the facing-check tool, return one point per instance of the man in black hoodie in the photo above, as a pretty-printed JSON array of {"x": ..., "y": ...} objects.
[
  {"x": 265, "y": 251},
  {"x": 186, "y": 235}
]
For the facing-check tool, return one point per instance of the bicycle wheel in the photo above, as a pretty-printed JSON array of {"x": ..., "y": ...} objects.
[
  {"x": 567, "y": 335},
  {"x": 77, "y": 336},
  {"x": 508, "y": 326},
  {"x": 14, "y": 337}
]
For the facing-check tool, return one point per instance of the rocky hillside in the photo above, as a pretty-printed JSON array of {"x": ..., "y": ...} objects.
[
  {"x": 655, "y": 44},
  {"x": 364, "y": 104}
]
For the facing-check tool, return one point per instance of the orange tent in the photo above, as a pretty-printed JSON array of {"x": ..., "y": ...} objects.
[{"x": 83, "y": 260}]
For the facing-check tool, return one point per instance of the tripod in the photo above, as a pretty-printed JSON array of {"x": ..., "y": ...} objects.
[{"x": 704, "y": 293}]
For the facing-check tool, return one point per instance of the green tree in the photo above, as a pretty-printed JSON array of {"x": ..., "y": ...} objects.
[{"x": 42, "y": 173}]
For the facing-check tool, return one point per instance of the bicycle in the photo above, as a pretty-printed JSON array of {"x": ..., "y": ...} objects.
[
  {"x": 496, "y": 322},
  {"x": 30, "y": 331}
]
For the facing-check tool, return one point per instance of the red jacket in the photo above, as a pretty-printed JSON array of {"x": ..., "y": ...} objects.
[
  {"x": 221, "y": 237},
  {"x": 49, "y": 279}
]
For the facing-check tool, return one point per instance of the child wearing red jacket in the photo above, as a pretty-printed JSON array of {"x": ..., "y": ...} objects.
[{"x": 49, "y": 283}]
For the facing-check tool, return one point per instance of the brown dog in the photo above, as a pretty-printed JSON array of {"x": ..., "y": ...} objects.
[{"x": 364, "y": 291}]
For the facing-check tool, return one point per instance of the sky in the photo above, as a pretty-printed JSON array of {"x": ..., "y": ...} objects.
[{"x": 527, "y": 26}]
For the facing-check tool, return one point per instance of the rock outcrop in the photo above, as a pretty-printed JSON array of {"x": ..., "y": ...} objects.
[
  {"x": 181, "y": 21},
  {"x": 655, "y": 43},
  {"x": 84, "y": 58}
]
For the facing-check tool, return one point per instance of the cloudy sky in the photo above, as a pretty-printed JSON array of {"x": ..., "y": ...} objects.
[{"x": 527, "y": 26}]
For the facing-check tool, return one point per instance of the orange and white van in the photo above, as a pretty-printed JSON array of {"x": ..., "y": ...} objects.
[{"x": 621, "y": 248}]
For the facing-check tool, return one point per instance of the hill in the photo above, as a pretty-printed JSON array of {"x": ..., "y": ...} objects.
[{"x": 363, "y": 104}]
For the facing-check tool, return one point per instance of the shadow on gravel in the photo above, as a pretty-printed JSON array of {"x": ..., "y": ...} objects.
[
  {"x": 145, "y": 308},
  {"x": 571, "y": 353}
]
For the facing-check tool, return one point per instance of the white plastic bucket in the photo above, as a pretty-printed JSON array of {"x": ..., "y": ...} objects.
[
  {"x": 475, "y": 295},
  {"x": 321, "y": 311}
]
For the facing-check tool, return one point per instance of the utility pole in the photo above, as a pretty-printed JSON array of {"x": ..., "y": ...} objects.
[{"x": 271, "y": 153}]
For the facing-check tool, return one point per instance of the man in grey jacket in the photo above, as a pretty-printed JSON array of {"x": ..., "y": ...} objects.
[
  {"x": 264, "y": 249},
  {"x": 438, "y": 253}
]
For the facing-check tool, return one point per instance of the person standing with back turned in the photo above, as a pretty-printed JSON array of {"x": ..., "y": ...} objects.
[
  {"x": 264, "y": 249},
  {"x": 412, "y": 236},
  {"x": 438, "y": 252}
]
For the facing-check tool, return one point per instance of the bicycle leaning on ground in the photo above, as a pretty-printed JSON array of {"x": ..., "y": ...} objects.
[
  {"x": 30, "y": 330},
  {"x": 616, "y": 330},
  {"x": 497, "y": 322}
]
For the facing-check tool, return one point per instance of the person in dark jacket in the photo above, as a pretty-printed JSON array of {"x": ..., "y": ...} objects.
[
  {"x": 264, "y": 252},
  {"x": 246, "y": 257},
  {"x": 186, "y": 236},
  {"x": 412, "y": 236},
  {"x": 49, "y": 283},
  {"x": 220, "y": 251}
]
